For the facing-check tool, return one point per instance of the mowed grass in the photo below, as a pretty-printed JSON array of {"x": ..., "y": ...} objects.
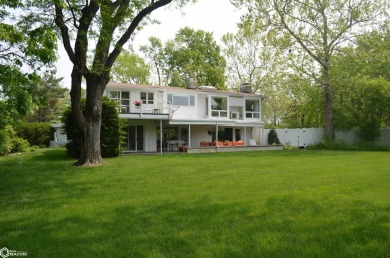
[{"x": 254, "y": 204}]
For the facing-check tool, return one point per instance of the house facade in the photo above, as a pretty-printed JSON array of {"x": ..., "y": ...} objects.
[{"x": 165, "y": 118}]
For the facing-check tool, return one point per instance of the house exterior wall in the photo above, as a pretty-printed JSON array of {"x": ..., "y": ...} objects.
[{"x": 195, "y": 110}]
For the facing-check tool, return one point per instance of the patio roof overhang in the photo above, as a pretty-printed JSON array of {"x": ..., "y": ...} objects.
[
  {"x": 216, "y": 122},
  {"x": 145, "y": 116}
]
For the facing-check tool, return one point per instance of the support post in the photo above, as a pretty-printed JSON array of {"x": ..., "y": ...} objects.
[
  {"x": 189, "y": 136},
  {"x": 216, "y": 136},
  {"x": 245, "y": 139},
  {"x": 161, "y": 136}
]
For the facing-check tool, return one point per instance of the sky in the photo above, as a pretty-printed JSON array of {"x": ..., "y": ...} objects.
[{"x": 216, "y": 16}]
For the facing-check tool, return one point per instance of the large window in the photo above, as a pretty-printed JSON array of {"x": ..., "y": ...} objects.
[
  {"x": 122, "y": 97},
  {"x": 219, "y": 107},
  {"x": 147, "y": 97},
  {"x": 181, "y": 100},
  {"x": 252, "y": 108}
]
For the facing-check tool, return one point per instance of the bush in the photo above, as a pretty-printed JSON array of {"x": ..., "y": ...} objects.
[
  {"x": 370, "y": 132},
  {"x": 341, "y": 145},
  {"x": 19, "y": 145},
  {"x": 273, "y": 137},
  {"x": 5, "y": 142},
  {"x": 38, "y": 134},
  {"x": 9, "y": 143},
  {"x": 110, "y": 134}
]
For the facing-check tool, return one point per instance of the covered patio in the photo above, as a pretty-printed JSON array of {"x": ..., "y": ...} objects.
[{"x": 192, "y": 134}]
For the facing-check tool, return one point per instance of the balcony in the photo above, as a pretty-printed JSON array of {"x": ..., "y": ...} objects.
[{"x": 145, "y": 111}]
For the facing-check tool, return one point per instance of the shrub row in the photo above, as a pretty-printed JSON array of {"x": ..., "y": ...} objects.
[
  {"x": 341, "y": 145},
  {"x": 37, "y": 134}
]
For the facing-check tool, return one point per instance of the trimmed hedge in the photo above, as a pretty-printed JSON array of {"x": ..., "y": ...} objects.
[
  {"x": 37, "y": 134},
  {"x": 110, "y": 134}
]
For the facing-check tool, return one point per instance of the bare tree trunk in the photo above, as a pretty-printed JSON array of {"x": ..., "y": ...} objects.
[
  {"x": 90, "y": 153},
  {"x": 88, "y": 121}
]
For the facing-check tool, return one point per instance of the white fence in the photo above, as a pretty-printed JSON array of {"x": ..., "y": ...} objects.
[
  {"x": 307, "y": 136},
  {"x": 296, "y": 137}
]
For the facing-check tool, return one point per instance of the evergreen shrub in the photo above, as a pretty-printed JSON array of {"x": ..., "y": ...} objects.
[
  {"x": 110, "y": 133},
  {"x": 273, "y": 137}
]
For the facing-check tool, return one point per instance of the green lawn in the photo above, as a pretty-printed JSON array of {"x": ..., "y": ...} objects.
[{"x": 256, "y": 204}]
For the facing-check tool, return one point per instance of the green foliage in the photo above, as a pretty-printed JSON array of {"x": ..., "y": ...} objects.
[
  {"x": 315, "y": 31},
  {"x": 5, "y": 142},
  {"x": 110, "y": 135},
  {"x": 36, "y": 133},
  {"x": 369, "y": 131},
  {"x": 72, "y": 133},
  {"x": 26, "y": 44},
  {"x": 273, "y": 137},
  {"x": 50, "y": 99},
  {"x": 362, "y": 85},
  {"x": 343, "y": 146},
  {"x": 19, "y": 145},
  {"x": 16, "y": 94},
  {"x": 10, "y": 143},
  {"x": 191, "y": 54},
  {"x": 130, "y": 68},
  {"x": 155, "y": 53},
  {"x": 302, "y": 103}
]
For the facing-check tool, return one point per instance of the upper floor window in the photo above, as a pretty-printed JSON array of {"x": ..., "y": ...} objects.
[
  {"x": 147, "y": 97},
  {"x": 252, "y": 108},
  {"x": 181, "y": 100},
  {"x": 123, "y": 97},
  {"x": 219, "y": 107}
]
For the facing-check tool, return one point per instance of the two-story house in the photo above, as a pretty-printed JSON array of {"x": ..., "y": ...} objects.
[{"x": 163, "y": 118}]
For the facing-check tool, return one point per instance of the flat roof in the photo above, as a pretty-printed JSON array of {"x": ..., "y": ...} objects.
[{"x": 117, "y": 85}]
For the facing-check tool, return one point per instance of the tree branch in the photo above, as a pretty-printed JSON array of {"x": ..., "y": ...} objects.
[
  {"x": 296, "y": 37},
  {"x": 130, "y": 30},
  {"x": 73, "y": 15},
  {"x": 59, "y": 20}
]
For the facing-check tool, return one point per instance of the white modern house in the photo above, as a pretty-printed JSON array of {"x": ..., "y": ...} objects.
[{"x": 165, "y": 118}]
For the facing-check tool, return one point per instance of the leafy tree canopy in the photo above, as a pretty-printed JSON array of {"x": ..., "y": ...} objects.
[
  {"x": 26, "y": 45},
  {"x": 191, "y": 54},
  {"x": 130, "y": 68},
  {"x": 362, "y": 84}
]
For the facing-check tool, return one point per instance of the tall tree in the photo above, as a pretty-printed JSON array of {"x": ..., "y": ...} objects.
[
  {"x": 26, "y": 45},
  {"x": 50, "y": 99},
  {"x": 108, "y": 24},
  {"x": 252, "y": 58},
  {"x": 155, "y": 53},
  {"x": 191, "y": 54},
  {"x": 318, "y": 27},
  {"x": 361, "y": 79},
  {"x": 195, "y": 54},
  {"x": 130, "y": 68}
]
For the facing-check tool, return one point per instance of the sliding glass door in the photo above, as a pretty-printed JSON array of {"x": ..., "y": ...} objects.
[{"x": 135, "y": 138}]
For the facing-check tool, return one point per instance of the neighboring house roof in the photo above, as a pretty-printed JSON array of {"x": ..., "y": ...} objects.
[{"x": 200, "y": 89}]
